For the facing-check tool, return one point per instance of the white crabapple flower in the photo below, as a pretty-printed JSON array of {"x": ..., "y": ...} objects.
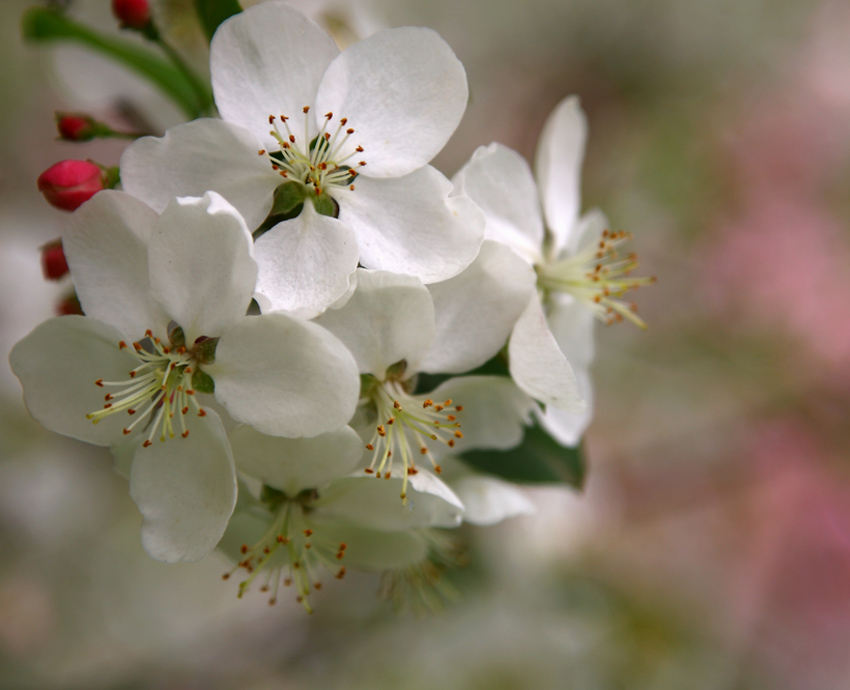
[
  {"x": 166, "y": 299},
  {"x": 396, "y": 327},
  {"x": 581, "y": 275},
  {"x": 332, "y": 147},
  {"x": 313, "y": 518}
]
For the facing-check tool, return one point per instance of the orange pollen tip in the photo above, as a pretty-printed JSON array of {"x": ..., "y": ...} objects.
[
  {"x": 351, "y": 187},
  {"x": 344, "y": 121},
  {"x": 329, "y": 115},
  {"x": 149, "y": 333},
  {"x": 244, "y": 548},
  {"x": 107, "y": 406},
  {"x": 369, "y": 470},
  {"x": 427, "y": 403},
  {"x": 99, "y": 382},
  {"x": 438, "y": 469},
  {"x": 133, "y": 374},
  {"x": 369, "y": 446},
  {"x": 381, "y": 430},
  {"x": 459, "y": 408},
  {"x": 386, "y": 475},
  {"x": 131, "y": 411},
  {"x": 362, "y": 163},
  {"x": 451, "y": 443},
  {"x": 292, "y": 138},
  {"x": 121, "y": 344},
  {"x": 226, "y": 576},
  {"x": 271, "y": 119},
  {"x": 423, "y": 450},
  {"x": 147, "y": 443},
  {"x": 308, "y": 532},
  {"x": 202, "y": 413},
  {"x": 126, "y": 431},
  {"x": 306, "y": 109},
  {"x": 391, "y": 420},
  {"x": 189, "y": 391},
  {"x": 108, "y": 396},
  {"x": 349, "y": 131},
  {"x": 451, "y": 417},
  {"x": 261, "y": 152},
  {"x": 185, "y": 434},
  {"x": 137, "y": 346},
  {"x": 185, "y": 410},
  {"x": 327, "y": 137},
  {"x": 396, "y": 404},
  {"x": 458, "y": 434},
  {"x": 448, "y": 402},
  {"x": 307, "y": 546}
]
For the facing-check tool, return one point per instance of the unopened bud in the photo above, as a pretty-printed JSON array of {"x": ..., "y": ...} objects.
[
  {"x": 133, "y": 14},
  {"x": 69, "y": 306},
  {"x": 69, "y": 184},
  {"x": 75, "y": 127},
  {"x": 53, "y": 262}
]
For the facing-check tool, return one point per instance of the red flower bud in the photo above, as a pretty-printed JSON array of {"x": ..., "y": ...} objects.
[
  {"x": 68, "y": 306},
  {"x": 133, "y": 14},
  {"x": 53, "y": 262},
  {"x": 69, "y": 184},
  {"x": 73, "y": 127}
]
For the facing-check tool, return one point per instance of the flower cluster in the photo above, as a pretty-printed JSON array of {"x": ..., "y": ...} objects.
[{"x": 281, "y": 305}]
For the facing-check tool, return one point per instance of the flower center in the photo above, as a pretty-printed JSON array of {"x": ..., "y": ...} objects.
[
  {"x": 598, "y": 276},
  {"x": 163, "y": 384},
  {"x": 318, "y": 164},
  {"x": 405, "y": 424},
  {"x": 292, "y": 551}
]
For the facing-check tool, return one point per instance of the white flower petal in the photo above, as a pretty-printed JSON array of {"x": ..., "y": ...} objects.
[
  {"x": 560, "y": 152},
  {"x": 566, "y": 427},
  {"x": 185, "y": 489},
  {"x": 495, "y": 412},
  {"x": 487, "y": 500},
  {"x": 538, "y": 366},
  {"x": 58, "y": 364},
  {"x": 588, "y": 232},
  {"x": 201, "y": 268},
  {"x": 305, "y": 263},
  {"x": 412, "y": 225},
  {"x": 284, "y": 376},
  {"x": 403, "y": 92},
  {"x": 295, "y": 464},
  {"x": 267, "y": 61},
  {"x": 389, "y": 318},
  {"x": 197, "y": 157},
  {"x": 572, "y": 324},
  {"x": 476, "y": 310},
  {"x": 106, "y": 248},
  {"x": 499, "y": 180},
  {"x": 377, "y": 503}
]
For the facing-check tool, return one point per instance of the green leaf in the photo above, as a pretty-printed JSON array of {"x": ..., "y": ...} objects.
[
  {"x": 538, "y": 460},
  {"x": 214, "y": 12},
  {"x": 202, "y": 382},
  {"x": 44, "y": 25}
]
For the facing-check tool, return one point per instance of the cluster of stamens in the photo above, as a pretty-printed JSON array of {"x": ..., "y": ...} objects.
[
  {"x": 318, "y": 162},
  {"x": 292, "y": 553},
  {"x": 405, "y": 424},
  {"x": 156, "y": 389},
  {"x": 599, "y": 277}
]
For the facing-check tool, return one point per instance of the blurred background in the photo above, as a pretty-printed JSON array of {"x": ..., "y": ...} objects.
[{"x": 710, "y": 548}]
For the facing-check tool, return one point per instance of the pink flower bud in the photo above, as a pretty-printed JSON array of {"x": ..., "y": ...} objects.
[
  {"x": 53, "y": 262},
  {"x": 73, "y": 127},
  {"x": 69, "y": 184},
  {"x": 133, "y": 14}
]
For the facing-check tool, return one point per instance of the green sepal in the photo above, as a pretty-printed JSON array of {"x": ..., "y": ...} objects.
[
  {"x": 202, "y": 382},
  {"x": 41, "y": 25},
  {"x": 326, "y": 206},
  {"x": 111, "y": 177},
  {"x": 214, "y": 12},
  {"x": 272, "y": 497},
  {"x": 538, "y": 460},
  {"x": 204, "y": 350},
  {"x": 176, "y": 336},
  {"x": 286, "y": 197}
]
